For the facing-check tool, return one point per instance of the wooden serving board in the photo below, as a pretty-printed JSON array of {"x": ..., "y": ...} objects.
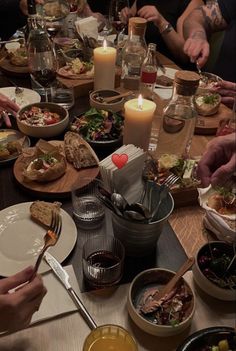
[
  {"x": 209, "y": 125},
  {"x": 60, "y": 187},
  {"x": 13, "y": 70}
]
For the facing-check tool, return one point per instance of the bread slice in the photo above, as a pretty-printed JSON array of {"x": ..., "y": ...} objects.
[
  {"x": 41, "y": 211},
  {"x": 79, "y": 152}
]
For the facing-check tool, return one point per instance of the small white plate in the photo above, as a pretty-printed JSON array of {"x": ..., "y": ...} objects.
[
  {"x": 27, "y": 97},
  {"x": 21, "y": 239}
]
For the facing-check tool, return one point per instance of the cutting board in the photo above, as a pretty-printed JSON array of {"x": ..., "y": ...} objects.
[
  {"x": 13, "y": 70},
  {"x": 209, "y": 125},
  {"x": 60, "y": 187}
]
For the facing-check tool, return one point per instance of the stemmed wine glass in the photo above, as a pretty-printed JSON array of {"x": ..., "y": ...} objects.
[
  {"x": 42, "y": 59},
  {"x": 115, "y": 14}
]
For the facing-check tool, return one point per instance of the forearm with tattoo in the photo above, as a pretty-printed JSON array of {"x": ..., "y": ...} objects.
[{"x": 204, "y": 20}]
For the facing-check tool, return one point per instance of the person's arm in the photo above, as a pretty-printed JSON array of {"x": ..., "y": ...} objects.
[
  {"x": 227, "y": 90},
  {"x": 197, "y": 26},
  {"x": 128, "y": 12},
  {"x": 173, "y": 38},
  {"x": 17, "y": 307}
]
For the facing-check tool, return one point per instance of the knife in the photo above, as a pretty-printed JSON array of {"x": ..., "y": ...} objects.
[{"x": 63, "y": 276}]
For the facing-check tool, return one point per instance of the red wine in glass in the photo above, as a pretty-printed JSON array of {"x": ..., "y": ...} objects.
[{"x": 44, "y": 77}]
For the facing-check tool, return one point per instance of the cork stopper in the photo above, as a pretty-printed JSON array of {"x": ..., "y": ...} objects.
[
  {"x": 186, "y": 82},
  {"x": 137, "y": 26}
]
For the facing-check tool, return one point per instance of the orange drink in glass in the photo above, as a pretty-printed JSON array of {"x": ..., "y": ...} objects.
[{"x": 110, "y": 338}]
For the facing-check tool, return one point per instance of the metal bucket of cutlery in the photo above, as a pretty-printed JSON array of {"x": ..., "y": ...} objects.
[{"x": 140, "y": 238}]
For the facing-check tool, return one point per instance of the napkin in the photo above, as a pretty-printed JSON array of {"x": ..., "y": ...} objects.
[
  {"x": 57, "y": 301},
  {"x": 87, "y": 27},
  {"x": 126, "y": 180}
]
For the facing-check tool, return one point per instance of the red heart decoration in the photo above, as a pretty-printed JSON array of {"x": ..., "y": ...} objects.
[{"x": 119, "y": 160}]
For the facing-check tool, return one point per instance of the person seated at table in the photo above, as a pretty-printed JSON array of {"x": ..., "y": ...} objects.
[
  {"x": 165, "y": 24},
  {"x": 7, "y": 106},
  {"x": 199, "y": 26},
  {"x": 217, "y": 166},
  {"x": 17, "y": 307},
  {"x": 13, "y": 15}
]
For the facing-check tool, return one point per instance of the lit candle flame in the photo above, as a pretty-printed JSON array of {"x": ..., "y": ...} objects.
[
  {"x": 104, "y": 44},
  {"x": 140, "y": 102}
]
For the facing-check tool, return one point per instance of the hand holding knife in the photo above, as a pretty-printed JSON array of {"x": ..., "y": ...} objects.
[{"x": 63, "y": 276}]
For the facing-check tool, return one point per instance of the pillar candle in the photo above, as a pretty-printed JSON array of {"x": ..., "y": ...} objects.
[
  {"x": 104, "y": 67},
  {"x": 138, "y": 122}
]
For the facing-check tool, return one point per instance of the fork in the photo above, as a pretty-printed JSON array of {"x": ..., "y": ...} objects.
[
  {"x": 50, "y": 238},
  {"x": 164, "y": 190}
]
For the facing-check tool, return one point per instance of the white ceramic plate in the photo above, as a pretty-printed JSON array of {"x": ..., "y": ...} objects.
[
  {"x": 165, "y": 92},
  {"x": 21, "y": 239},
  {"x": 27, "y": 97}
]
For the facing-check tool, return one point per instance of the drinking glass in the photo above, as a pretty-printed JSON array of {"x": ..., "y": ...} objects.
[
  {"x": 115, "y": 14},
  {"x": 42, "y": 59},
  {"x": 110, "y": 337},
  {"x": 88, "y": 210},
  {"x": 62, "y": 96},
  {"x": 103, "y": 260}
]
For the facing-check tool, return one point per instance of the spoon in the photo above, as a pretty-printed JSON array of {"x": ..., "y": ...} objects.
[
  {"x": 140, "y": 209},
  {"x": 133, "y": 215},
  {"x": 113, "y": 98},
  {"x": 119, "y": 201},
  {"x": 171, "y": 284}
]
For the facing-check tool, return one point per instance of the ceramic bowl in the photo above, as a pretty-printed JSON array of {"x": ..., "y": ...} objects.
[
  {"x": 203, "y": 282},
  {"x": 207, "y": 109},
  {"x": 208, "y": 337},
  {"x": 44, "y": 131},
  {"x": 113, "y": 106},
  {"x": 205, "y": 88},
  {"x": 153, "y": 278}
]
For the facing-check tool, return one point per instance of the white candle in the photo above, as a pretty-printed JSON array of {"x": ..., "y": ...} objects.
[
  {"x": 138, "y": 122},
  {"x": 104, "y": 67}
]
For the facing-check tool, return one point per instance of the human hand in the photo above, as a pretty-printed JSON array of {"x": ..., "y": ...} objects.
[
  {"x": 198, "y": 49},
  {"x": 7, "y": 105},
  {"x": 125, "y": 14},
  {"x": 24, "y": 7},
  {"x": 217, "y": 166},
  {"x": 227, "y": 90},
  {"x": 17, "y": 308},
  {"x": 150, "y": 13}
]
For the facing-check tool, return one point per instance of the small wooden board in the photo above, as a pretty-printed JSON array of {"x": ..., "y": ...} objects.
[
  {"x": 209, "y": 125},
  {"x": 57, "y": 188}
]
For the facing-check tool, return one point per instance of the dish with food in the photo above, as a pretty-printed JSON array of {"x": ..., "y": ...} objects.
[
  {"x": 59, "y": 187},
  {"x": 26, "y": 97},
  {"x": 213, "y": 271},
  {"x": 11, "y": 144},
  {"x": 98, "y": 125},
  {"x": 42, "y": 120},
  {"x": 19, "y": 57},
  {"x": 221, "y": 200},
  {"x": 45, "y": 164},
  {"x": 207, "y": 104},
  {"x": 77, "y": 69},
  {"x": 21, "y": 239},
  {"x": 207, "y": 82},
  {"x": 211, "y": 339},
  {"x": 165, "y": 317}
]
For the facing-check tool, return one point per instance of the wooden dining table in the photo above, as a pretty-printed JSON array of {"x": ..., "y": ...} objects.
[{"x": 182, "y": 238}]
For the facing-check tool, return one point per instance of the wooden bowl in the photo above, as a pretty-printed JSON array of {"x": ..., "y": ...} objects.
[
  {"x": 207, "y": 109},
  {"x": 205, "y": 88},
  {"x": 113, "y": 106}
]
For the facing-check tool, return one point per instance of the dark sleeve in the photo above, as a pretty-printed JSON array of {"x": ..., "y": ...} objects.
[
  {"x": 8, "y": 6},
  {"x": 183, "y": 4},
  {"x": 228, "y": 9},
  {"x": 11, "y": 18}
]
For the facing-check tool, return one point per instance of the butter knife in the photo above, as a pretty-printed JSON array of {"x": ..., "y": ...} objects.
[{"x": 63, "y": 276}]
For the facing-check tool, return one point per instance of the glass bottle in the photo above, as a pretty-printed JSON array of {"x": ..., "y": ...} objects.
[
  {"x": 179, "y": 117},
  {"x": 134, "y": 53},
  {"x": 149, "y": 72}
]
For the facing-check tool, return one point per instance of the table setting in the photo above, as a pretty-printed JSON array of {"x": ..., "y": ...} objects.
[{"x": 88, "y": 203}]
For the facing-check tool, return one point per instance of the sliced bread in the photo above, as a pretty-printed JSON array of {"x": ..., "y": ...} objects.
[{"x": 41, "y": 211}]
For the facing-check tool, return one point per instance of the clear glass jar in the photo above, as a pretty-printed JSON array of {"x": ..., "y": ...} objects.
[
  {"x": 134, "y": 53},
  {"x": 179, "y": 117},
  {"x": 149, "y": 72}
]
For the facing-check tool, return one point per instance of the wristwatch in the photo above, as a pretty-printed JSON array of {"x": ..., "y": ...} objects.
[{"x": 167, "y": 29}]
